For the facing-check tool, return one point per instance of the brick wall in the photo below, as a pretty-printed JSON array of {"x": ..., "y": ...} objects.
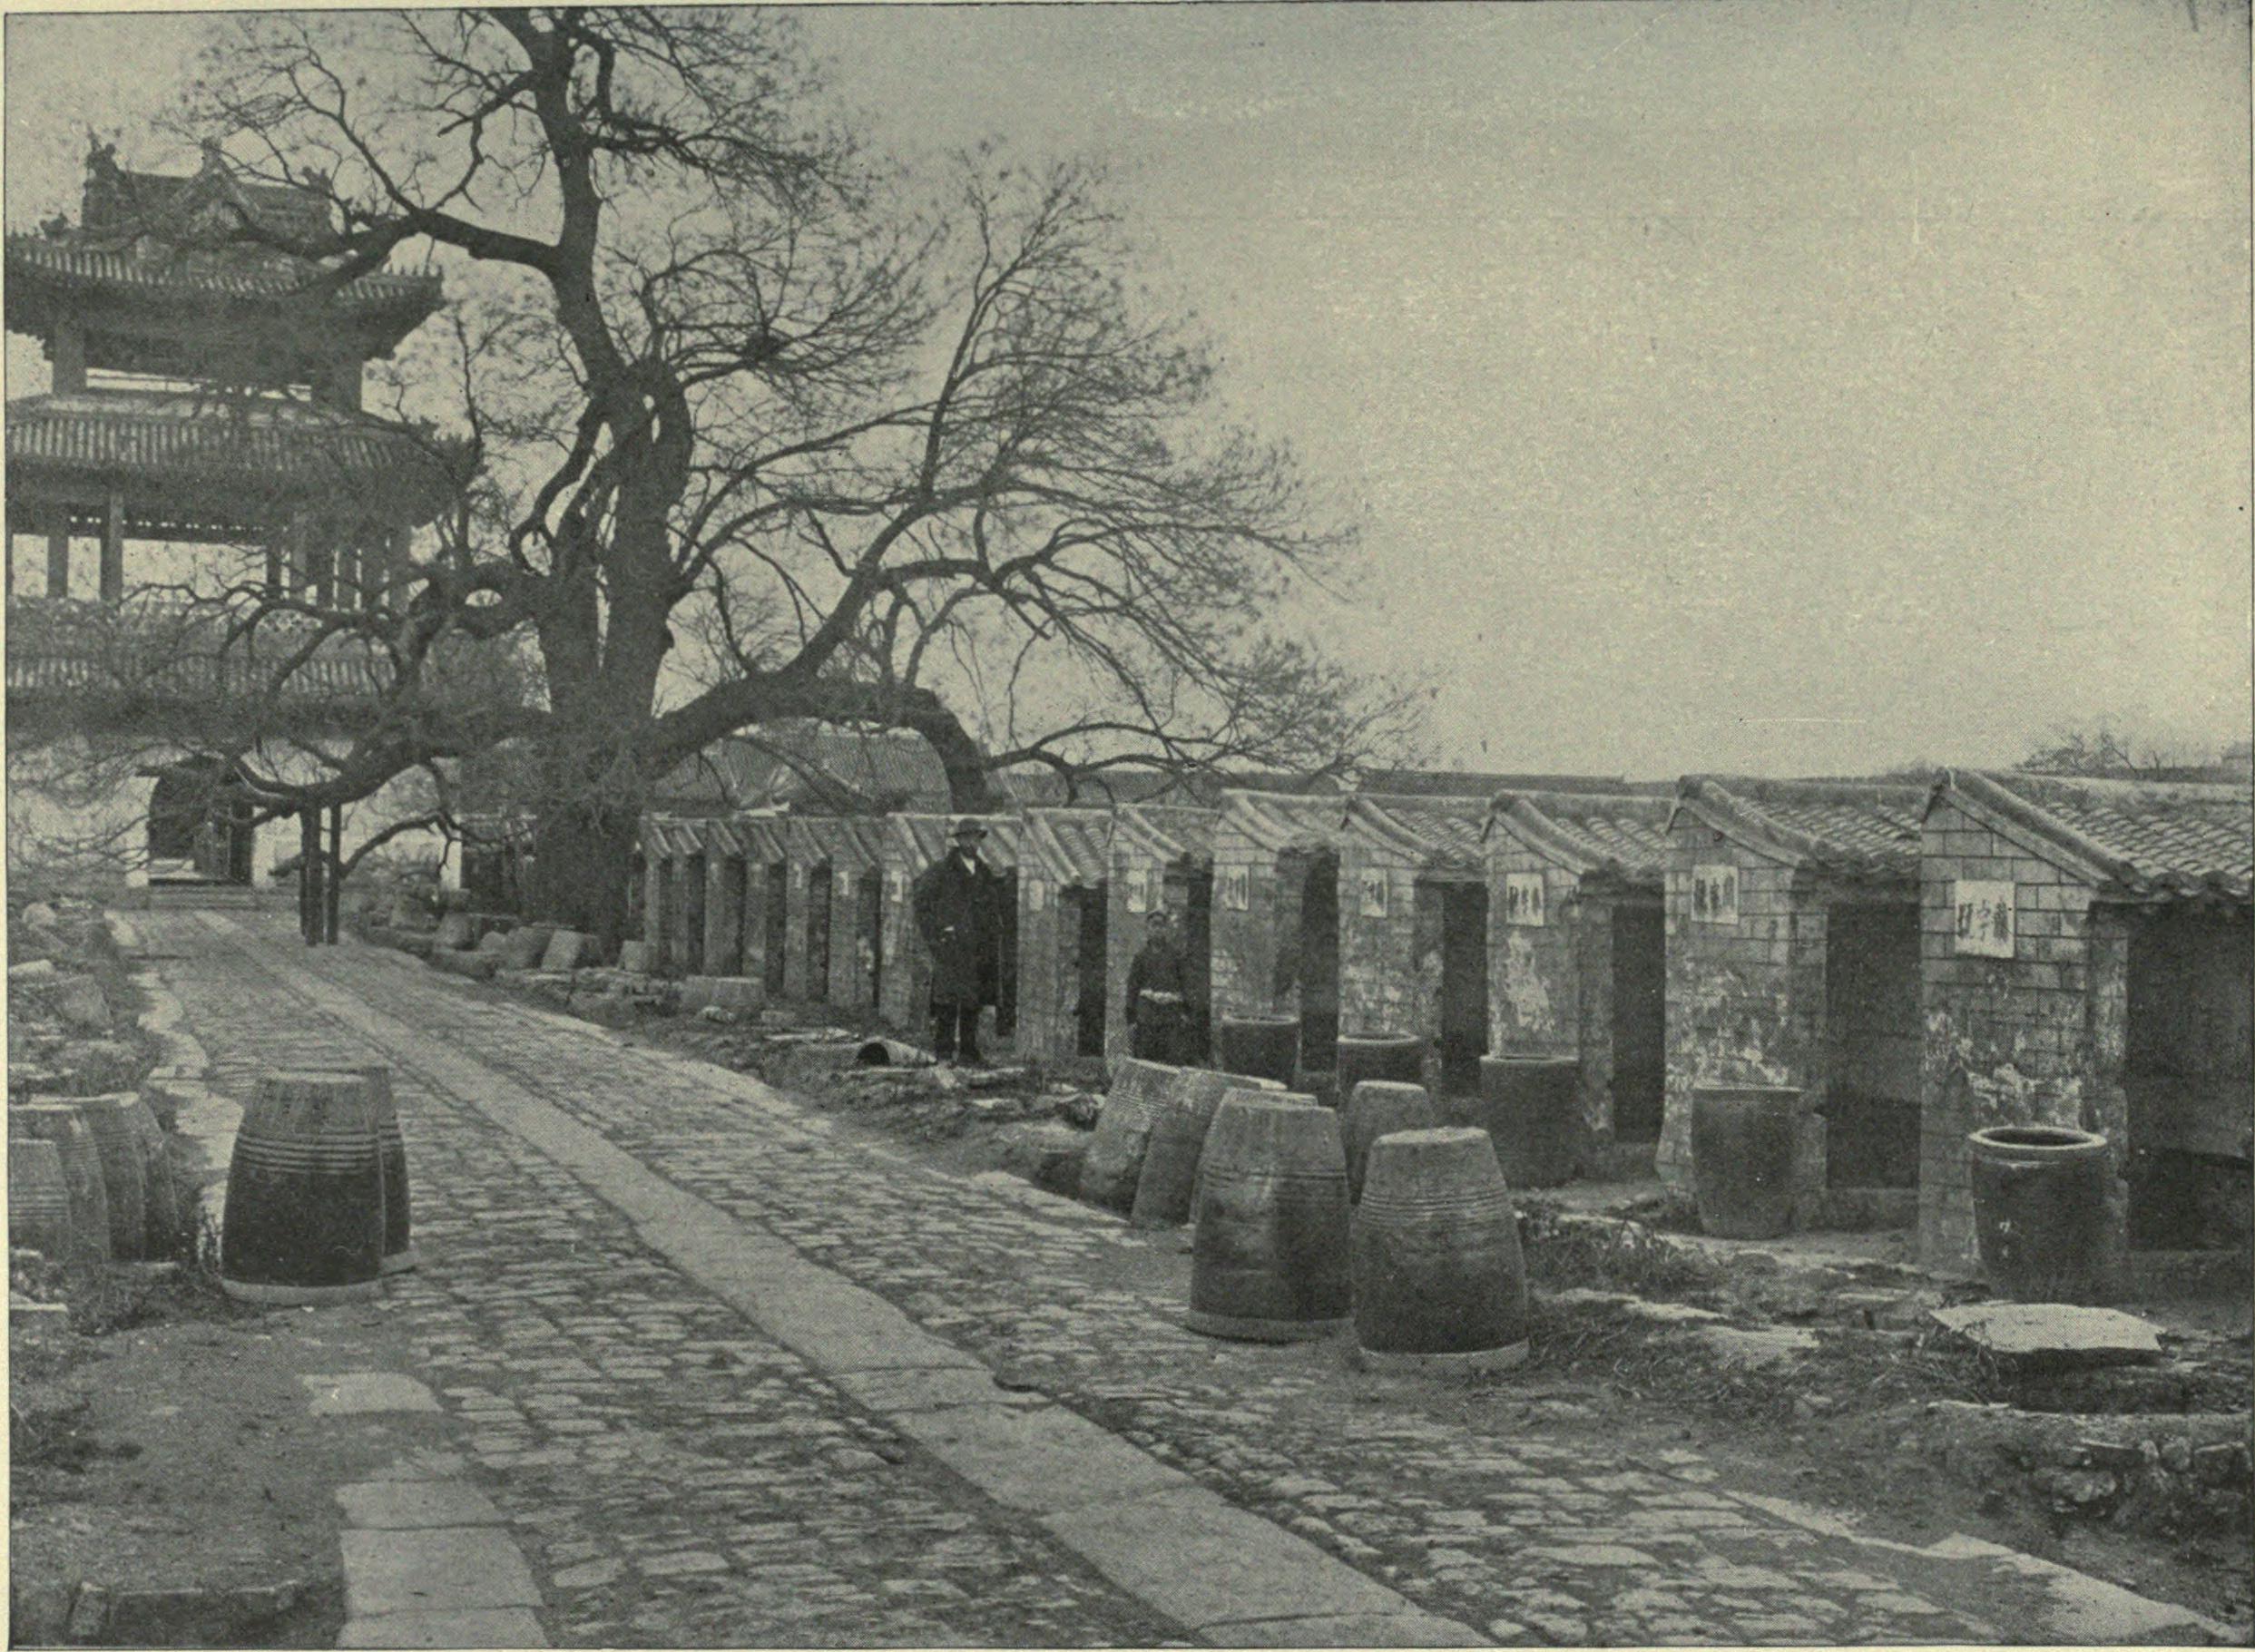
[
  {"x": 1550, "y": 984},
  {"x": 795, "y": 985},
  {"x": 853, "y": 950},
  {"x": 2036, "y": 1037},
  {"x": 1386, "y": 981},
  {"x": 905, "y": 988},
  {"x": 1044, "y": 952},
  {"x": 1245, "y": 943},
  {"x": 1745, "y": 1001}
]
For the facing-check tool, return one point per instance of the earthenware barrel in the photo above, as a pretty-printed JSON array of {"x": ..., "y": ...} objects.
[
  {"x": 304, "y": 1221},
  {"x": 2039, "y": 1211},
  {"x": 1376, "y": 1108},
  {"x": 168, "y": 1215},
  {"x": 1438, "y": 1278},
  {"x": 124, "y": 1155},
  {"x": 39, "y": 1199},
  {"x": 399, "y": 1252},
  {"x": 1269, "y": 1257},
  {"x": 1258, "y": 1046},
  {"x": 62, "y": 1124},
  {"x": 1395, "y": 1057},
  {"x": 1187, "y": 1101},
  {"x": 1742, "y": 1139},
  {"x": 1531, "y": 1108},
  {"x": 1115, "y": 1153}
]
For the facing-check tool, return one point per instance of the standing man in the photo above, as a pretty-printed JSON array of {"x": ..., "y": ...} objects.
[
  {"x": 1158, "y": 994},
  {"x": 959, "y": 912}
]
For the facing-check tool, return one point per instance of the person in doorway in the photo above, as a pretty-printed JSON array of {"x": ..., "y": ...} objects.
[
  {"x": 1158, "y": 994},
  {"x": 959, "y": 912}
]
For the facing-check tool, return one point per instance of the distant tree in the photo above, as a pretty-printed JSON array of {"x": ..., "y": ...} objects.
[{"x": 764, "y": 439}]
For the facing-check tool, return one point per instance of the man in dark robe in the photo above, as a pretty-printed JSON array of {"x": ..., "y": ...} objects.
[
  {"x": 1158, "y": 994},
  {"x": 959, "y": 912}
]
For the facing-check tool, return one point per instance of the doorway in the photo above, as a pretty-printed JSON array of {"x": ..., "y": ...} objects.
[
  {"x": 667, "y": 961},
  {"x": 1007, "y": 965},
  {"x": 1087, "y": 920},
  {"x": 198, "y": 815},
  {"x": 1318, "y": 943},
  {"x": 871, "y": 890},
  {"x": 1639, "y": 1037},
  {"x": 1463, "y": 1031},
  {"x": 730, "y": 961},
  {"x": 694, "y": 915},
  {"x": 776, "y": 905},
  {"x": 1873, "y": 1042},
  {"x": 818, "y": 933},
  {"x": 2186, "y": 1075}
]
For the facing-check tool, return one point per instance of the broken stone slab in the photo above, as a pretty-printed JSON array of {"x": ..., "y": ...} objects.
[
  {"x": 634, "y": 957},
  {"x": 456, "y": 933},
  {"x": 477, "y": 966},
  {"x": 2053, "y": 1335},
  {"x": 1659, "y": 1312},
  {"x": 36, "y": 970},
  {"x": 733, "y": 993},
  {"x": 1757, "y": 1349},
  {"x": 526, "y": 946},
  {"x": 565, "y": 947},
  {"x": 79, "y": 1002}
]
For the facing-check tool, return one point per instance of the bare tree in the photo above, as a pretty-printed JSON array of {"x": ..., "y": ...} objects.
[{"x": 763, "y": 440}]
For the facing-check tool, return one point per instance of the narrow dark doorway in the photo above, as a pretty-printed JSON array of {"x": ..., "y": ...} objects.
[
  {"x": 1318, "y": 964},
  {"x": 2187, "y": 1073},
  {"x": 693, "y": 892},
  {"x": 1007, "y": 980},
  {"x": 1874, "y": 1042},
  {"x": 198, "y": 815},
  {"x": 1640, "y": 1039},
  {"x": 1087, "y": 921},
  {"x": 637, "y": 892},
  {"x": 871, "y": 890},
  {"x": 733, "y": 879},
  {"x": 818, "y": 933},
  {"x": 1197, "y": 956},
  {"x": 1464, "y": 983},
  {"x": 772, "y": 933},
  {"x": 667, "y": 961}
]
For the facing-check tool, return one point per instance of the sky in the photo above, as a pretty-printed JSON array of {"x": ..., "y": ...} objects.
[{"x": 1763, "y": 388}]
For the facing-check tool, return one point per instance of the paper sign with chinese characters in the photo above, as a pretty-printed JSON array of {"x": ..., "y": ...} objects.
[
  {"x": 1522, "y": 898},
  {"x": 1037, "y": 895},
  {"x": 1373, "y": 888},
  {"x": 897, "y": 886},
  {"x": 1715, "y": 893},
  {"x": 1235, "y": 887},
  {"x": 1985, "y": 917},
  {"x": 1139, "y": 892}
]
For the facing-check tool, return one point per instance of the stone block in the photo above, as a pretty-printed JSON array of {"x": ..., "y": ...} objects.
[
  {"x": 2053, "y": 1335},
  {"x": 526, "y": 945},
  {"x": 634, "y": 957},
  {"x": 721, "y": 992},
  {"x": 565, "y": 948},
  {"x": 456, "y": 933}
]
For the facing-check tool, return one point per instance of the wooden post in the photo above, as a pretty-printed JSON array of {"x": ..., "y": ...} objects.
[
  {"x": 336, "y": 873},
  {"x": 309, "y": 873},
  {"x": 113, "y": 548}
]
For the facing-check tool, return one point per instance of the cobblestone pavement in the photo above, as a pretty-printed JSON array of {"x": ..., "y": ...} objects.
[{"x": 679, "y": 1478}]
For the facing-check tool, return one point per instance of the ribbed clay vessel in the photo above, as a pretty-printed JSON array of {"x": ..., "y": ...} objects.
[
  {"x": 1168, "y": 1185},
  {"x": 1438, "y": 1277},
  {"x": 62, "y": 1123},
  {"x": 1115, "y": 1153},
  {"x": 304, "y": 1221},
  {"x": 125, "y": 1156},
  {"x": 1376, "y": 1108},
  {"x": 39, "y": 1199},
  {"x": 1269, "y": 1257}
]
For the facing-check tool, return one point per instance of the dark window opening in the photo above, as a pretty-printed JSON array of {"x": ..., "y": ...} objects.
[
  {"x": 1640, "y": 1039},
  {"x": 1873, "y": 1042},
  {"x": 1461, "y": 1035}
]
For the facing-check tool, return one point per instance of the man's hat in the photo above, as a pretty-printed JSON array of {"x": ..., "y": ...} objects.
[{"x": 967, "y": 827}]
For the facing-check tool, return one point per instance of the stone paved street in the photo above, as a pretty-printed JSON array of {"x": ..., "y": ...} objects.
[{"x": 680, "y": 1472}]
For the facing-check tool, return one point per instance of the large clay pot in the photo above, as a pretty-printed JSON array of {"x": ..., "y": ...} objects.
[
  {"x": 1376, "y": 1108},
  {"x": 1742, "y": 1140},
  {"x": 2039, "y": 1211},
  {"x": 1438, "y": 1277},
  {"x": 1258, "y": 1046},
  {"x": 39, "y": 1199},
  {"x": 1168, "y": 1184},
  {"x": 1269, "y": 1257},
  {"x": 1115, "y": 1153},
  {"x": 62, "y": 1124},
  {"x": 168, "y": 1199},
  {"x": 304, "y": 1221},
  {"x": 1530, "y": 1107},
  {"x": 124, "y": 1155},
  {"x": 1395, "y": 1057}
]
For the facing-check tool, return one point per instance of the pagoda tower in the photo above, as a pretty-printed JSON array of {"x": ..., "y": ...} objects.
[{"x": 206, "y": 392}]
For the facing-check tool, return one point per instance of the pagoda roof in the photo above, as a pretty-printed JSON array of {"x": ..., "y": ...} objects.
[
  {"x": 204, "y": 242},
  {"x": 158, "y": 446}
]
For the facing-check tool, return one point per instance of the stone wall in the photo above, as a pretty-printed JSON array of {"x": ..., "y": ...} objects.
[
  {"x": 2033, "y": 1039},
  {"x": 1387, "y": 982}
]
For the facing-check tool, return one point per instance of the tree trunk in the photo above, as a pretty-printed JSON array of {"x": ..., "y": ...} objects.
[{"x": 580, "y": 859}]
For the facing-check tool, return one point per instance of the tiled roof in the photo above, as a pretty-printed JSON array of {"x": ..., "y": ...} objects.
[
  {"x": 1438, "y": 832},
  {"x": 1851, "y": 828},
  {"x": 854, "y": 841},
  {"x": 1275, "y": 822},
  {"x": 763, "y": 835},
  {"x": 1070, "y": 846},
  {"x": 152, "y": 269},
  {"x": 2136, "y": 839},
  {"x": 1466, "y": 783},
  {"x": 813, "y": 764},
  {"x": 918, "y": 840},
  {"x": 164, "y": 438},
  {"x": 1038, "y": 786},
  {"x": 1623, "y": 836},
  {"x": 1163, "y": 834}
]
